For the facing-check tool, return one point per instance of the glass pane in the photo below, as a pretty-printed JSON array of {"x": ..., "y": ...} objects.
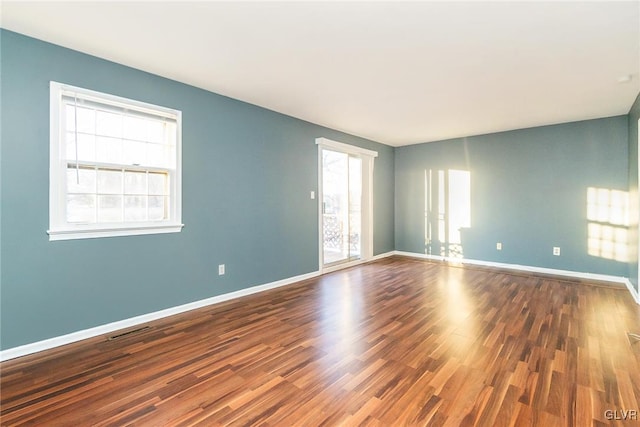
[
  {"x": 159, "y": 155},
  {"x": 110, "y": 208},
  {"x": 108, "y": 124},
  {"x": 109, "y": 181},
  {"x": 84, "y": 181},
  {"x": 108, "y": 150},
  {"x": 155, "y": 131},
  {"x": 335, "y": 218},
  {"x": 171, "y": 128},
  {"x": 81, "y": 208},
  {"x": 135, "y": 208},
  {"x": 86, "y": 147},
  {"x": 135, "y": 182},
  {"x": 158, "y": 183},
  {"x": 133, "y": 152},
  {"x": 158, "y": 208},
  {"x": 135, "y": 128},
  {"x": 86, "y": 119},
  {"x": 69, "y": 114}
]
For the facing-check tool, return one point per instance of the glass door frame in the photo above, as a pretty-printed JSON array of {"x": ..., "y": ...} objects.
[{"x": 366, "y": 243}]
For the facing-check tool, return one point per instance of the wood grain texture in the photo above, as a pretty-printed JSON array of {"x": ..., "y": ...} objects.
[{"x": 394, "y": 342}]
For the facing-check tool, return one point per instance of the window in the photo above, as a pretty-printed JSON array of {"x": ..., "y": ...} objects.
[{"x": 114, "y": 166}]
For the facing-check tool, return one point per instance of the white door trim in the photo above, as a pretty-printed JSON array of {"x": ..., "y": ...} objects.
[
  {"x": 367, "y": 157},
  {"x": 345, "y": 148}
]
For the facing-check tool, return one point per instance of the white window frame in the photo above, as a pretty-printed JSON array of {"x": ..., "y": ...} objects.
[{"x": 59, "y": 228}]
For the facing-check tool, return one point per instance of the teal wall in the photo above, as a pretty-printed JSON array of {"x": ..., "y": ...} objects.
[
  {"x": 528, "y": 191},
  {"x": 247, "y": 174},
  {"x": 634, "y": 116}
]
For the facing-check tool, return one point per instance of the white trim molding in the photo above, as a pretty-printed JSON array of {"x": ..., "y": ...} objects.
[
  {"x": 354, "y": 263},
  {"x": 24, "y": 350},
  {"x": 105, "y": 329},
  {"x": 516, "y": 267},
  {"x": 97, "y": 232},
  {"x": 345, "y": 148},
  {"x": 47, "y": 344},
  {"x": 632, "y": 290}
]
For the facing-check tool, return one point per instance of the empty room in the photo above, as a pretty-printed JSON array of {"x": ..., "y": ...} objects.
[{"x": 319, "y": 213}]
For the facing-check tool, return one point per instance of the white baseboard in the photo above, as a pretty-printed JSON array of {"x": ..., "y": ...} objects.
[
  {"x": 357, "y": 262},
  {"x": 50, "y": 343},
  {"x": 634, "y": 292},
  {"x": 47, "y": 344},
  {"x": 380, "y": 256},
  {"x": 566, "y": 273}
]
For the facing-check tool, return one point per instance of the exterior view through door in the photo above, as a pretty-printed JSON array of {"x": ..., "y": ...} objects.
[
  {"x": 345, "y": 203},
  {"x": 341, "y": 206}
]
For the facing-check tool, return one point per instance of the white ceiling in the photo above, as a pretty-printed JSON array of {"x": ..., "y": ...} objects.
[{"x": 395, "y": 72}]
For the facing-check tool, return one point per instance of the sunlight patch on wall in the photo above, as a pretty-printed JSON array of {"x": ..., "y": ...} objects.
[
  {"x": 608, "y": 223},
  {"x": 447, "y": 211}
]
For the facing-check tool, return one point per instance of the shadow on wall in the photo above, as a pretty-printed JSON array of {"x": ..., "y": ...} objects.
[
  {"x": 608, "y": 224},
  {"x": 447, "y": 211}
]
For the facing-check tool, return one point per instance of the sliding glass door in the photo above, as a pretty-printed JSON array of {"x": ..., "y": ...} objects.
[
  {"x": 341, "y": 206},
  {"x": 346, "y": 203}
]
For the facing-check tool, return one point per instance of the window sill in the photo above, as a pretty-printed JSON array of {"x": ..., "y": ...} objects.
[{"x": 93, "y": 233}]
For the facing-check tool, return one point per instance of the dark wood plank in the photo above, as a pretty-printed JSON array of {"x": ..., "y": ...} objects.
[{"x": 394, "y": 342}]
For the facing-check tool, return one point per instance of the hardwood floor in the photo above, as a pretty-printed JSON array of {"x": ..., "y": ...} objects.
[{"x": 395, "y": 342}]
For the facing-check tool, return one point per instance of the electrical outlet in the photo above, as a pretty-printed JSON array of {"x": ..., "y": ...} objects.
[
  {"x": 499, "y": 246},
  {"x": 221, "y": 270},
  {"x": 313, "y": 195},
  {"x": 556, "y": 251}
]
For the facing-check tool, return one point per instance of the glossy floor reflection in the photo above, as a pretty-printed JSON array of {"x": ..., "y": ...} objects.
[{"x": 395, "y": 342}]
